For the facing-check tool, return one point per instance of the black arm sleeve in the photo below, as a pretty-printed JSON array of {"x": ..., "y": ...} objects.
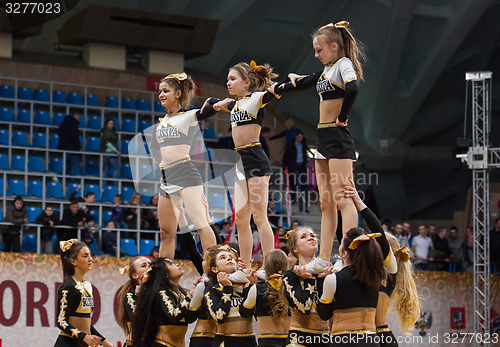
[
  {"x": 219, "y": 306},
  {"x": 325, "y": 310},
  {"x": 374, "y": 225},
  {"x": 129, "y": 305},
  {"x": 94, "y": 331},
  {"x": 174, "y": 312},
  {"x": 351, "y": 91},
  {"x": 301, "y": 84},
  {"x": 189, "y": 244},
  {"x": 299, "y": 297},
  {"x": 208, "y": 111},
  {"x": 215, "y": 100},
  {"x": 65, "y": 301}
]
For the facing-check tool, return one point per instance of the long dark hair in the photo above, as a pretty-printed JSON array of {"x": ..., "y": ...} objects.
[
  {"x": 147, "y": 309},
  {"x": 130, "y": 286},
  {"x": 276, "y": 263},
  {"x": 71, "y": 253},
  {"x": 366, "y": 260},
  {"x": 212, "y": 253}
]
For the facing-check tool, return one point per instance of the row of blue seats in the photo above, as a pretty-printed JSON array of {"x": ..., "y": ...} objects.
[{"x": 77, "y": 99}]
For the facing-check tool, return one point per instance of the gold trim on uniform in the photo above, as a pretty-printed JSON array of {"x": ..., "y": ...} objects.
[
  {"x": 163, "y": 343},
  {"x": 300, "y": 306},
  {"x": 131, "y": 301},
  {"x": 326, "y": 302},
  {"x": 174, "y": 311},
  {"x": 311, "y": 331},
  {"x": 237, "y": 335},
  {"x": 217, "y": 316},
  {"x": 383, "y": 330},
  {"x": 329, "y": 125},
  {"x": 64, "y": 304},
  {"x": 349, "y": 80},
  {"x": 203, "y": 335},
  {"x": 253, "y": 144},
  {"x": 268, "y": 336},
  {"x": 342, "y": 332},
  {"x": 168, "y": 166}
]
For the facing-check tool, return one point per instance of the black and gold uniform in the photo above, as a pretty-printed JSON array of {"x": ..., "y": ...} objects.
[
  {"x": 129, "y": 308},
  {"x": 307, "y": 328},
  {"x": 387, "y": 338},
  {"x": 272, "y": 332},
  {"x": 178, "y": 129},
  {"x": 337, "y": 80},
  {"x": 204, "y": 331},
  {"x": 74, "y": 300},
  {"x": 233, "y": 330}
]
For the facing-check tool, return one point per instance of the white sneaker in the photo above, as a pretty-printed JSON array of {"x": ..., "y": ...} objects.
[
  {"x": 204, "y": 278},
  {"x": 261, "y": 274},
  {"x": 339, "y": 263},
  {"x": 238, "y": 276},
  {"x": 316, "y": 266}
]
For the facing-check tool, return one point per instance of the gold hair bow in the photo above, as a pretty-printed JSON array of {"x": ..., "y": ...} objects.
[
  {"x": 287, "y": 235},
  {"x": 255, "y": 67},
  {"x": 145, "y": 276},
  {"x": 66, "y": 245},
  {"x": 341, "y": 25},
  {"x": 124, "y": 269},
  {"x": 230, "y": 250},
  {"x": 403, "y": 253},
  {"x": 276, "y": 280},
  {"x": 178, "y": 76},
  {"x": 355, "y": 243}
]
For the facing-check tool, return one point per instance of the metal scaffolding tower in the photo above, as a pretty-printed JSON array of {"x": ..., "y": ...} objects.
[{"x": 480, "y": 158}]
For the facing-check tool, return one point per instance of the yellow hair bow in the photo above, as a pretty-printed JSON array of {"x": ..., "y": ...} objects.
[
  {"x": 287, "y": 235},
  {"x": 230, "y": 250},
  {"x": 66, "y": 245},
  {"x": 255, "y": 67},
  {"x": 341, "y": 25},
  {"x": 124, "y": 269},
  {"x": 355, "y": 243},
  {"x": 145, "y": 276},
  {"x": 178, "y": 76},
  {"x": 403, "y": 253},
  {"x": 276, "y": 280}
]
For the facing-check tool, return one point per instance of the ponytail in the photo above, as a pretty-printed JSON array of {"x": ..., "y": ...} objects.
[
  {"x": 185, "y": 84},
  {"x": 276, "y": 263},
  {"x": 130, "y": 286},
  {"x": 259, "y": 75}
]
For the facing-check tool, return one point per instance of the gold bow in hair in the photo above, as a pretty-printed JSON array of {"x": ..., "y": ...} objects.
[
  {"x": 178, "y": 76},
  {"x": 403, "y": 253},
  {"x": 124, "y": 269},
  {"x": 287, "y": 235},
  {"x": 355, "y": 243},
  {"x": 275, "y": 280},
  {"x": 255, "y": 67},
  {"x": 66, "y": 245},
  {"x": 230, "y": 250},
  {"x": 145, "y": 276},
  {"x": 341, "y": 25}
]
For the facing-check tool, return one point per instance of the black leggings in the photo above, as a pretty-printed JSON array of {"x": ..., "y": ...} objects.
[{"x": 187, "y": 241}]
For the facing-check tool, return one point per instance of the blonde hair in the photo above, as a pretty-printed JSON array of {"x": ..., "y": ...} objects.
[
  {"x": 260, "y": 76},
  {"x": 186, "y": 86},
  {"x": 133, "y": 198},
  {"x": 276, "y": 263},
  {"x": 130, "y": 286},
  {"x": 348, "y": 45},
  {"x": 291, "y": 237}
]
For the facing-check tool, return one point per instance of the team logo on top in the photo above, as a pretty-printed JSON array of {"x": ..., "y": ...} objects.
[
  {"x": 324, "y": 85},
  {"x": 240, "y": 116},
  {"x": 87, "y": 302},
  {"x": 167, "y": 133}
]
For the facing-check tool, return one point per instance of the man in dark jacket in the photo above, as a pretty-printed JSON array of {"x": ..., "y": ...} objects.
[
  {"x": 49, "y": 218},
  {"x": 82, "y": 202},
  {"x": 73, "y": 217},
  {"x": 295, "y": 159},
  {"x": 17, "y": 214},
  {"x": 69, "y": 141}
]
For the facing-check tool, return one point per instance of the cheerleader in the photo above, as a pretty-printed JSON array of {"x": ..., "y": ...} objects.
[
  {"x": 223, "y": 297},
  {"x": 75, "y": 300},
  {"x": 351, "y": 295},
  {"x": 268, "y": 302},
  {"x": 170, "y": 146},
  {"x": 135, "y": 268},
  {"x": 337, "y": 87},
  {"x": 307, "y": 328},
  {"x": 161, "y": 314}
]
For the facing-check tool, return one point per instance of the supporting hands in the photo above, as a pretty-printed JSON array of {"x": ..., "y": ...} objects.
[
  {"x": 271, "y": 90},
  {"x": 350, "y": 191},
  {"x": 328, "y": 271},
  {"x": 294, "y": 78},
  {"x": 92, "y": 340},
  {"x": 223, "y": 279},
  {"x": 252, "y": 276},
  {"x": 223, "y": 105},
  {"x": 301, "y": 272}
]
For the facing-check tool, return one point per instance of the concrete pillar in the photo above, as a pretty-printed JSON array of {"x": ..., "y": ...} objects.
[
  {"x": 105, "y": 55},
  {"x": 163, "y": 63},
  {"x": 5, "y": 45}
]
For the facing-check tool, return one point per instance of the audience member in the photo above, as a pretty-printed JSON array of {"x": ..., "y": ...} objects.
[
  {"x": 109, "y": 239},
  {"x": 295, "y": 224},
  {"x": 407, "y": 232},
  {"x": 131, "y": 219},
  {"x": 109, "y": 144},
  {"x": 455, "y": 243},
  {"x": 400, "y": 236},
  {"x": 69, "y": 140},
  {"x": 420, "y": 247},
  {"x": 49, "y": 218},
  {"x": 289, "y": 133},
  {"x": 274, "y": 219},
  {"x": 283, "y": 242},
  {"x": 224, "y": 231},
  {"x": 264, "y": 137},
  {"x": 495, "y": 244},
  {"x": 441, "y": 251},
  {"x": 119, "y": 213},
  {"x": 468, "y": 250},
  {"x": 91, "y": 230},
  {"x": 16, "y": 214},
  {"x": 73, "y": 217},
  {"x": 155, "y": 253},
  {"x": 149, "y": 216},
  {"x": 82, "y": 202},
  {"x": 295, "y": 160},
  {"x": 432, "y": 231}
]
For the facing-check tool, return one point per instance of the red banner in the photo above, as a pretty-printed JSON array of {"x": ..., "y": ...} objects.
[{"x": 457, "y": 318}]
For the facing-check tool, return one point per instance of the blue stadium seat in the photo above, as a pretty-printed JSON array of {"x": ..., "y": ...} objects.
[
  {"x": 92, "y": 100},
  {"x": 54, "y": 190},
  {"x": 4, "y": 162},
  {"x": 7, "y": 114},
  {"x": 1, "y": 188},
  {"x": 112, "y": 102},
  {"x": 1, "y": 217},
  {"x": 42, "y": 95},
  {"x": 146, "y": 194},
  {"x": 36, "y": 164},
  {"x": 216, "y": 200},
  {"x": 109, "y": 193},
  {"x": 54, "y": 242},
  {"x": 56, "y": 165},
  {"x": 127, "y": 193},
  {"x": 95, "y": 214},
  {"x": 128, "y": 125},
  {"x": 144, "y": 124},
  {"x": 93, "y": 144},
  {"x": 82, "y": 124},
  {"x": 40, "y": 140},
  {"x": 35, "y": 188},
  {"x": 209, "y": 133},
  {"x": 54, "y": 141},
  {"x": 16, "y": 187},
  {"x": 93, "y": 248},
  {"x": 95, "y": 122},
  {"x": 42, "y": 117},
  {"x": 72, "y": 187},
  {"x": 128, "y": 103},
  {"x": 92, "y": 167},
  {"x": 159, "y": 107},
  {"x": 125, "y": 172},
  {"x": 24, "y": 93},
  {"x": 33, "y": 212},
  {"x": 7, "y": 92},
  {"x": 4, "y": 137},
  {"x": 145, "y": 172},
  {"x": 59, "y": 97},
  {"x": 20, "y": 138},
  {"x": 58, "y": 118},
  {"x": 18, "y": 162},
  {"x": 75, "y": 99},
  {"x": 129, "y": 247},
  {"x": 106, "y": 216},
  {"x": 95, "y": 189},
  {"x": 29, "y": 240},
  {"x": 147, "y": 246},
  {"x": 124, "y": 146},
  {"x": 143, "y": 105},
  {"x": 24, "y": 115}
]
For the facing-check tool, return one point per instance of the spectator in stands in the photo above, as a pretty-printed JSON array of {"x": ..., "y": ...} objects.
[
  {"x": 495, "y": 244},
  {"x": 272, "y": 213},
  {"x": 16, "y": 214},
  {"x": 69, "y": 140},
  {"x": 109, "y": 144},
  {"x": 407, "y": 232},
  {"x": 295, "y": 160},
  {"x": 155, "y": 253},
  {"x": 91, "y": 230},
  {"x": 289, "y": 133},
  {"x": 432, "y": 231},
  {"x": 398, "y": 234},
  {"x": 265, "y": 133},
  {"x": 468, "y": 250},
  {"x": 441, "y": 251},
  {"x": 283, "y": 242},
  {"x": 119, "y": 213},
  {"x": 73, "y": 217},
  {"x": 131, "y": 219},
  {"x": 82, "y": 202},
  {"x": 224, "y": 231},
  {"x": 420, "y": 246},
  {"x": 295, "y": 224},
  {"x": 150, "y": 216},
  {"x": 455, "y": 243},
  {"x": 109, "y": 240},
  {"x": 49, "y": 218}
]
